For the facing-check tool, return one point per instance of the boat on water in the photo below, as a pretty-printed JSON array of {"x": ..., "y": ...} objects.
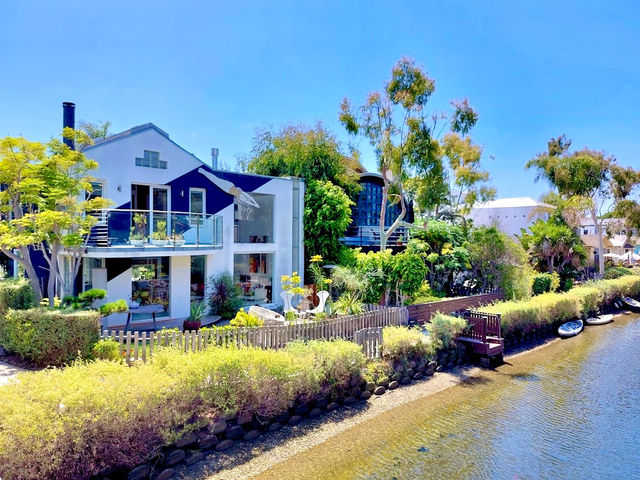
[
  {"x": 600, "y": 319},
  {"x": 631, "y": 304},
  {"x": 570, "y": 329}
]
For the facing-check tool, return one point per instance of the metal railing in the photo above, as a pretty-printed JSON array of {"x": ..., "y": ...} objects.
[
  {"x": 157, "y": 228},
  {"x": 363, "y": 236}
]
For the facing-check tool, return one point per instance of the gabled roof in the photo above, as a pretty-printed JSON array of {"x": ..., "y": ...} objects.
[
  {"x": 513, "y": 202},
  {"x": 136, "y": 130}
]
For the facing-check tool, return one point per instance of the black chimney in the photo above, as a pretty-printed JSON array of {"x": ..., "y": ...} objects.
[{"x": 68, "y": 119}]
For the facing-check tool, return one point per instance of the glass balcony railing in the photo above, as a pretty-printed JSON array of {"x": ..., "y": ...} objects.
[{"x": 153, "y": 228}]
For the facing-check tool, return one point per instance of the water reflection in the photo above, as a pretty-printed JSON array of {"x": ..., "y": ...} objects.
[{"x": 571, "y": 411}]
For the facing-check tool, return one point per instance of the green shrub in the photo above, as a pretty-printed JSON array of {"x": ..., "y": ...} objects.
[
  {"x": 545, "y": 282},
  {"x": 49, "y": 337},
  {"x": 245, "y": 319},
  {"x": 549, "y": 309},
  {"x": 403, "y": 344},
  {"x": 119, "y": 306},
  {"x": 92, "y": 295},
  {"x": 443, "y": 329},
  {"x": 80, "y": 421},
  {"x": 616, "y": 272},
  {"x": 16, "y": 294},
  {"x": 224, "y": 298},
  {"x": 107, "y": 349}
]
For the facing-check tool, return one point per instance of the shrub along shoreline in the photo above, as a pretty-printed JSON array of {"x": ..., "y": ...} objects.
[{"x": 545, "y": 312}]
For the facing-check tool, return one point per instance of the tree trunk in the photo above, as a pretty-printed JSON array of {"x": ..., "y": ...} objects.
[
  {"x": 25, "y": 260},
  {"x": 383, "y": 214},
  {"x": 598, "y": 225}
]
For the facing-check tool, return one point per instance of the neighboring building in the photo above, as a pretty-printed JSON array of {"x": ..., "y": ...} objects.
[
  {"x": 510, "y": 215},
  {"x": 618, "y": 239},
  {"x": 215, "y": 221},
  {"x": 364, "y": 230}
]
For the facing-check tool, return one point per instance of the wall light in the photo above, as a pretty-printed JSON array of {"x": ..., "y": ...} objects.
[{"x": 119, "y": 188}]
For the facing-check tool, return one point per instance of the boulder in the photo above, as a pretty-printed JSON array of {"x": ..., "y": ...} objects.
[
  {"x": 332, "y": 406},
  {"x": 235, "y": 432},
  {"x": 379, "y": 390},
  {"x": 269, "y": 317},
  {"x": 218, "y": 427},
  {"x": 296, "y": 419},
  {"x": 174, "y": 457},
  {"x": 405, "y": 381},
  {"x": 194, "y": 458},
  {"x": 141, "y": 472},
  {"x": 165, "y": 474},
  {"x": 207, "y": 442},
  {"x": 251, "y": 435},
  {"x": 187, "y": 440},
  {"x": 225, "y": 444},
  {"x": 393, "y": 385},
  {"x": 366, "y": 395},
  {"x": 315, "y": 412}
]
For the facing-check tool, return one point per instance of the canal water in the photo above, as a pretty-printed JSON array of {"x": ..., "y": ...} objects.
[{"x": 569, "y": 410}]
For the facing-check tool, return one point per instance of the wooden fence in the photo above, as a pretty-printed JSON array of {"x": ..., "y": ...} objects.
[
  {"x": 371, "y": 341},
  {"x": 136, "y": 346}
]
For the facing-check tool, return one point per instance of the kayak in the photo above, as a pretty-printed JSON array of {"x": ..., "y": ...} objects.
[
  {"x": 570, "y": 329},
  {"x": 600, "y": 319},
  {"x": 631, "y": 304}
]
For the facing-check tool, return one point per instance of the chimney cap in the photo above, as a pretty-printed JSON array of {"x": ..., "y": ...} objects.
[{"x": 68, "y": 104}]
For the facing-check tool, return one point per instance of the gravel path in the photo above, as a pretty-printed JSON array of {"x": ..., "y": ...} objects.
[{"x": 7, "y": 372}]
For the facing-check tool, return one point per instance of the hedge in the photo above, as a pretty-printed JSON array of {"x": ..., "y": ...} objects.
[
  {"x": 49, "y": 337},
  {"x": 89, "y": 419},
  {"x": 16, "y": 294},
  {"x": 519, "y": 318}
]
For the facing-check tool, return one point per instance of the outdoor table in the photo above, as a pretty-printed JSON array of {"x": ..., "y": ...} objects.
[{"x": 152, "y": 309}]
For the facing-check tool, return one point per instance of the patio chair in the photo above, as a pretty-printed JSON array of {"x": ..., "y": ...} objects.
[{"x": 323, "y": 295}]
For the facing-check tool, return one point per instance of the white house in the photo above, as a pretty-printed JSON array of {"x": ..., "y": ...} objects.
[
  {"x": 618, "y": 239},
  {"x": 176, "y": 221},
  {"x": 510, "y": 214}
]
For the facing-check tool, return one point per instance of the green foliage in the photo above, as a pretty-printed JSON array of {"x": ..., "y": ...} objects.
[
  {"x": 377, "y": 371},
  {"x": 617, "y": 272},
  {"x": 403, "y": 344},
  {"x": 545, "y": 282},
  {"x": 225, "y": 296},
  {"x": 348, "y": 303},
  {"x": 327, "y": 214},
  {"x": 107, "y": 349},
  {"x": 498, "y": 261},
  {"x": 45, "y": 185},
  {"x": 92, "y": 295},
  {"x": 408, "y": 274},
  {"x": 426, "y": 295},
  {"x": 196, "y": 311},
  {"x": 49, "y": 337},
  {"x": 119, "y": 306},
  {"x": 245, "y": 319},
  {"x": 79, "y": 421},
  {"x": 160, "y": 231},
  {"x": 553, "y": 247},
  {"x": 15, "y": 294},
  {"x": 443, "y": 329},
  {"x": 312, "y": 154}
]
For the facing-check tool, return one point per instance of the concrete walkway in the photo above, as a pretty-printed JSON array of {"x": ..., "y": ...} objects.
[{"x": 8, "y": 371}]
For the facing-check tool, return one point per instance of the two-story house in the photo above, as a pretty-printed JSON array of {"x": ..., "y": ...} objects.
[{"x": 176, "y": 221}]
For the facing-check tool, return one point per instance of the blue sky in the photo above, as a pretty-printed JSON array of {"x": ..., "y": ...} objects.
[{"x": 210, "y": 73}]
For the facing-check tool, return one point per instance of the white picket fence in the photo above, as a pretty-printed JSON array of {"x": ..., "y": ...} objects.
[{"x": 135, "y": 346}]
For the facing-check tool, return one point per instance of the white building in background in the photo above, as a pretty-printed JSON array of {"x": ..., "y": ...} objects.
[
  {"x": 510, "y": 214},
  {"x": 196, "y": 222}
]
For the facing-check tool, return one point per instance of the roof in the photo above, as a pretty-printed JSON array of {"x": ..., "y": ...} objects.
[
  {"x": 150, "y": 126},
  {"x": 513, "y": 202}
]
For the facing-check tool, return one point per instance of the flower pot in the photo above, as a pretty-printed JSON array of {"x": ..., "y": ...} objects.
[
  {"x": 137, "y": 243},
  {"x": 178, "y": 243},
  {"x": 159, "y": 243},
  {"x": 191, "y": 325}
]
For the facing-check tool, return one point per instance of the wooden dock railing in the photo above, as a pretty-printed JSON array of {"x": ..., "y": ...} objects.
[{"x": 135, "y": 346}]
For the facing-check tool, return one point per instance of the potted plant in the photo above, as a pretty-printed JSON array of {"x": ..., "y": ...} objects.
[
  {"x": 194, "y": 321},
  {"x": 159, "y": 237},
  {"x": 138, "y": 235},
  {"x": 177, "y": 239}
]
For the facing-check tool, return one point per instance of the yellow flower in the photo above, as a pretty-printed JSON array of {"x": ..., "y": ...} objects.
[
  {"x": 285, "y": 278},
  {"x": 328, "y": 281},
  {"x": 316, "y": 258}
]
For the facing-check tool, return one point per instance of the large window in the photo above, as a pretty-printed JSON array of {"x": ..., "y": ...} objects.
[
  {"x": 253, "y": 273},
  {"x": 150, "y": 281},
  {"x": 197, "y": 278},
  {"x": 254, "y": 225}
]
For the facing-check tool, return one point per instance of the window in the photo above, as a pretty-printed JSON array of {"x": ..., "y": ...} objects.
[
  {"x": 197, "y": 278},
  {"x": 253, "y": 274},
  {"x": 150, "y": 281},
  {"x": 254, "y": 225},
  {"x": 97, "y": 190},
  {"x": 151, "y": 160},
  {"x": 585, "y": 231},
  {"x": 197, "y": 205}
]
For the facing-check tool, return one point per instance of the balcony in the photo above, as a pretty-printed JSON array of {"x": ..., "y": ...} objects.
[
  {"x": 121, "y": 232},
  {"x": 368, "y": 237}
]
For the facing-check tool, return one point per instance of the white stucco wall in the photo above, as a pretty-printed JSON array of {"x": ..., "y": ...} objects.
[{"x": 509, "y": 220}]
